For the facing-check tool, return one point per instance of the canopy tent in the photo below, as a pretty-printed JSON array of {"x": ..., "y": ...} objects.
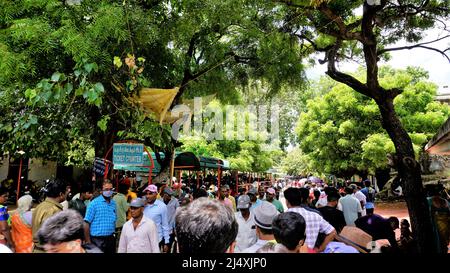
[
  {"x": 158, "y": 102},
  {"x": 189, "y": 161},
  {"x": 183, "y": 161}
]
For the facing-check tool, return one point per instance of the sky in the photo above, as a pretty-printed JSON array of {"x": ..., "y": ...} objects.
[{"x": 437, "y": 65}]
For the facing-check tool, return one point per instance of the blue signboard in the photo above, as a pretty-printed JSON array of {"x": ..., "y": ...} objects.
[{"x": 128, "y": 154}]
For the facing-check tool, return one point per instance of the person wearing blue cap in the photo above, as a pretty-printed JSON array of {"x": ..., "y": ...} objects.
[
  {"x": 377, "y": 226},
  {"x": 139, "y": 234}
]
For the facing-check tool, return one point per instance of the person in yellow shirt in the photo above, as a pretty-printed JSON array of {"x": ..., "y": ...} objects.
[{"x": 230, "y": 197}]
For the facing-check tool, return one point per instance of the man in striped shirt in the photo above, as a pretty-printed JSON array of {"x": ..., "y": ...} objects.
[{"x": 315, "y": 223}]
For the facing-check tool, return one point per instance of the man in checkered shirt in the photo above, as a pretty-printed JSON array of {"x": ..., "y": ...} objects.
[{"x": 315, "y": 223}]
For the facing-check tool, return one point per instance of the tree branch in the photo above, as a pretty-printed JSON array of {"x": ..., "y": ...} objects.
[
  {"x": 409, "y": 47},
  {"x": 314, "y": 45},
  {"x": 343, "y": 28},
  {"x": 342, "y": 77}
]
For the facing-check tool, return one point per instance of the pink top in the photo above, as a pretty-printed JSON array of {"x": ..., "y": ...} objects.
[{"x": 227, "y": 202}]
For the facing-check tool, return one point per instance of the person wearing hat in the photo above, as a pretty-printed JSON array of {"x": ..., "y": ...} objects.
[
  {"x": 270, "y": 197},
  {"x": 255, "y": 202},
  {"x": 139, "y": 234},
  {"x": 156, "y": 210},
  {"x": 246, "y": 236},
  {"x": 264, "y": 215},
  {"x": 172, "y": 205}
]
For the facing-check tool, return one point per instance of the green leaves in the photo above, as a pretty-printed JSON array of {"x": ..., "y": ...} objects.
[
  {"x": 341, "y": 130},
  {"x": 103, "y": 123},
  {"x": 117, "y": 62}
]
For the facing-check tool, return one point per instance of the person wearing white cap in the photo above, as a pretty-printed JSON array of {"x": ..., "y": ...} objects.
[
  {"x": 139, "y": 234},
  {"x": 270, "y": 197},
  {"x": 264, "y": 216},
  {"x": 246, "y": 236},
  {"x": 156, "y": 210}
]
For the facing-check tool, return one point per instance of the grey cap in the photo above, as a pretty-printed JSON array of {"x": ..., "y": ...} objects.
[
  {"x": 243, "y": 202},
  {"x": 264, "y": 215},
  {"x": 137, "y": 203},
  {"x": 252, "y": 191},
  {"x": 168, "y": 190}
]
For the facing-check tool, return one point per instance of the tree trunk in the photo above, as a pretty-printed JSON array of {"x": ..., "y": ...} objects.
[
  {"x": 383, "y": 176},
  {"x": 410, "y": 175}
]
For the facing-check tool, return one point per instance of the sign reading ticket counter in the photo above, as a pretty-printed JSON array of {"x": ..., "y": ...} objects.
[{"x": 128, "y": 154}]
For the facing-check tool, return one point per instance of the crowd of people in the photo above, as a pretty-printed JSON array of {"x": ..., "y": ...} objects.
[{"x": 173, "y": 217}]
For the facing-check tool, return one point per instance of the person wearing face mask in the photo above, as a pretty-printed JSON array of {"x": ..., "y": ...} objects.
[
  {"x": 56, "y": 191},
  {"x": 100, "y": 220}
]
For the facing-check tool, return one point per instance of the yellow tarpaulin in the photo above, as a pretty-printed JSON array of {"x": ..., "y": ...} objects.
[{"x": 158, "y": 101}]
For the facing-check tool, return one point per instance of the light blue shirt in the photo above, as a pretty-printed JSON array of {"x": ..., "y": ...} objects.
[
  {"x": 257, "y": 203},
  {"x": 101, "y": 216},
  {"x": 158, "y": 213},
  {"x": 171, "y": 210}
]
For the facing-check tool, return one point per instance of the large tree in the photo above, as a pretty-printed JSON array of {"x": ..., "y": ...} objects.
[
  {"x": 334, "y": 28},
  {"x": 59, "y": 82},
  {"x": 341, "y": 116}
]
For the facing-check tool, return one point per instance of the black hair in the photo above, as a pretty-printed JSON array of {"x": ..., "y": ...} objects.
[
  {"x": 304, "y": 193},
  {"x": 54, "y": 188},
  {"x": 3, "y": 190},
  {"x": 329, "y": 190},
  {"x": 265, "y": 231},
  {"x": 333, "y": 196},
  {"x": 200, "y": 193},
  {"x": 293, "y": 196},
  {"x": 367, "y": 183},
  {"x": 289, "y": 228},
  {"x": 123, "y": 188},
  {"x": 394, "y": 220},
  {"x": 369, "y": 211},
  {"x": 205, "y": 226},
  {"x": 316, "y": 194},
  {"x": 86, "y": 188},
  {"x": 349, "y": 190}
]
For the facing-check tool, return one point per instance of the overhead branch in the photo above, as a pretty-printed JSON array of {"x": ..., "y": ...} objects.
[
  {"x": 342, "y": 77},
  {"x": 313, "y": 44},
  {"x": 344, "y": 31},
  {"x": 410, "y": 47}
]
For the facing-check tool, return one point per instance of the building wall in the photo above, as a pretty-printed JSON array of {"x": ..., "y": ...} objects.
[
  {"x": 39, "y": 171},
  {"x": 4, "y": 166}
]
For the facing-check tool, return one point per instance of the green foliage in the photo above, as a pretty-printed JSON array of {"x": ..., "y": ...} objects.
[
  {"x": 296, "y": 163},
  {"x": 76, "y": 67},
  {"x": 341, "y": 131}
]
